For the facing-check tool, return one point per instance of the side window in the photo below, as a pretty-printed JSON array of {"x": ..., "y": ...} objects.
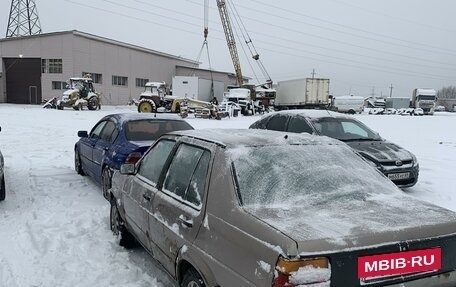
[
  {"x": 299, "y": 125},
  {"x": 154, "y": 161},
  {"x": 96, "y": 131},
  {"x": 109, "y": 132},
  {"x": 187, "y": 174},
  {"x": 277, "y": 123}
]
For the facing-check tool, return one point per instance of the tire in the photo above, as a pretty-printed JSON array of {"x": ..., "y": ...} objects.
[
  {"x": 145, "y": 107},
  {"x": 93, "y": 104},
  {"x": 2, "y": 189},
  {"x": 124, "y": 238},
  {"x": 105, "y": 182},
  {"x": 192, "y": 279},
  {"x": 77, "y": 163}
]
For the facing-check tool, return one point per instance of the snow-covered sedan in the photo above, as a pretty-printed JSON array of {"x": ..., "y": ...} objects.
[
  {"x": 397, "y": 163},
  {"x": 265, "y": 208},
  {"x": 118, "y": 138}
]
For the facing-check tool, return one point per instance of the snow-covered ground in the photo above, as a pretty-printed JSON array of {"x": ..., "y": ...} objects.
[{"x": 54, "y": 224}]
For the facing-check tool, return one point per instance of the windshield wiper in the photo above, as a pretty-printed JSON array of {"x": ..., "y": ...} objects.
[{"x": 359, "y": 139}]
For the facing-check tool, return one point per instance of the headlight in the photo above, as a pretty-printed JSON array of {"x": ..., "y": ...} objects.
[{"x": 415, "y": 161}]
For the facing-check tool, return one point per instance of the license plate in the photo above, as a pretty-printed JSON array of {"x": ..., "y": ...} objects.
[
  {"x": 396, "y": 176},
  {"x": 399, "y": 263}
]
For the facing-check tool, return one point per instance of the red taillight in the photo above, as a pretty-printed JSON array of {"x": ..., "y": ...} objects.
[
  {"x": 133, "y": 157},
  {"x": 281, "y": 280},
  {"x": 302, "y": 272}
]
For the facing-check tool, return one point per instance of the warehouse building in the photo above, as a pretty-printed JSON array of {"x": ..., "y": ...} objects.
[{"x": 34, "y": 68}]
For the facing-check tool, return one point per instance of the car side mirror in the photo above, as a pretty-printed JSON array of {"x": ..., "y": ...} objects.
[
  {"x": 128, "y": 169},
  {"x": 83, "y": 134}
]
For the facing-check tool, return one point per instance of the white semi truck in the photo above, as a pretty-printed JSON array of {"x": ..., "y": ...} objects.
[
  {"x": 302, "y": 93},
  {"x": 424, "y": 99}
]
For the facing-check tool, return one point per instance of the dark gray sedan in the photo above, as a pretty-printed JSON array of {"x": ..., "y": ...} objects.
[
  {"x": 264, "y": 208},
  {"x": 397, "y": 163}
]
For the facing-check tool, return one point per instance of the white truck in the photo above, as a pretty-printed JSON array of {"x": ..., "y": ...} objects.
[
  {"x": 302, "y": 93},
  {"x": 197, "y": 88},
  {"x": 348, "y": 104},
  {"x": 424, "y": 99}
]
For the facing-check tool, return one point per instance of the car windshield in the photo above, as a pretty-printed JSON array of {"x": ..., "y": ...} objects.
[
  {"x": 146, "y": 130},
  {"x": 344, "y": 129},
  {"x": 304, "y": 175}
]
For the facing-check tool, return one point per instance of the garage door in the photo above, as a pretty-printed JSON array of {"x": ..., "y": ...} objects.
[{"x": 23, "y": 80}]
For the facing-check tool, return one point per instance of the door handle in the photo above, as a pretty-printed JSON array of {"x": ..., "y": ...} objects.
[
  {"x": 146, "y": 197},
  {"x": 185, "y": 221}
]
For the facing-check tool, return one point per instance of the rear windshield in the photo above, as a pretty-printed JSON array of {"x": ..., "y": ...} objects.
[
  {"x": 304, "y": 175},
  {"x": 146, "y": 130}
]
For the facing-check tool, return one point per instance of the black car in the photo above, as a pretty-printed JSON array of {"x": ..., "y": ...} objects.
[
  {"x": 397, "y": 163},
  {"x": 120, "y": 138}
]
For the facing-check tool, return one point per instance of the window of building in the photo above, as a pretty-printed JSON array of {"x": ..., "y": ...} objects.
[
  {"x": 97, "y": 78},
  {"x": 57, "y": 85},
  {"x": 119, "y": 81},
  {"x": 51, "y": 66},
  {"x": 141, "y": 82}
]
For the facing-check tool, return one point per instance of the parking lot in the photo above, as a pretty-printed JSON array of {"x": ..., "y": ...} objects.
[{"x": 54, "y": 223}]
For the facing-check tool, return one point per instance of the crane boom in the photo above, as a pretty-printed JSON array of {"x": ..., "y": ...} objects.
[{"x": 230, "y": 40}]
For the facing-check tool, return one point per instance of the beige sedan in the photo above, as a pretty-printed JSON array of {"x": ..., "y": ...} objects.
[{"x": 265, "y": 208}]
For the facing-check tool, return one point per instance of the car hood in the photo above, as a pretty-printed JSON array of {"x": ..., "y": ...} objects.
[
  {"x": 355, "y": 223},
  {"x": 380, "y": 151}
]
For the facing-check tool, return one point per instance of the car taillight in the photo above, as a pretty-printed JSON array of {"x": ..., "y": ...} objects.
[
  {"x": 302, "y": 272},
  {"x": 133, "y": 157}
]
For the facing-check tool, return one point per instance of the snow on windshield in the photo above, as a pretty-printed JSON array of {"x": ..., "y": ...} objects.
[{"x": 304, "y": 174}]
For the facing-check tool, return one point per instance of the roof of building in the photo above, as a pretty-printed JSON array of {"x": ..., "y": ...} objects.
[{"x": 104, "y": 40}]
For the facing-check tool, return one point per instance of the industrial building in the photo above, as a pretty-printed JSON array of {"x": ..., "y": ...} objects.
[{"x": 34, "y": 68}]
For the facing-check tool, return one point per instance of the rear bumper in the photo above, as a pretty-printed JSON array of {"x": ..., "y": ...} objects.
[{"x": 447, "y": 279}]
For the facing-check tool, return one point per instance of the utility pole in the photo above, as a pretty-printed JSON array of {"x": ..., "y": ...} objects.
[
  {"x": 373, "y": 92},
  {"x": 391, "y": 90},
  {"x": 23, "y": 19},
  {"x": 313, "y": 73}
]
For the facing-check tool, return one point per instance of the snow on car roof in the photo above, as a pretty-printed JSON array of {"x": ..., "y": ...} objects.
[
  {"x": 233, "y": 138},
  {"x": 139, "y": 116},
  {"x": 313, "y": 113}
]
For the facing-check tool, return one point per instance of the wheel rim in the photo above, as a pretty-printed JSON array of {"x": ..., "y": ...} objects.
[
  {"x": 193, "y": 284},
  {"x": 145, "y": 107}
]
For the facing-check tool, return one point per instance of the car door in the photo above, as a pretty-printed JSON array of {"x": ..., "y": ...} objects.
[
  {"x": 142, "y": 188},
  {"x": 86, "y": 147},
  {"x": 178, "y": 209},
  {"x": 102, "y": 146}
]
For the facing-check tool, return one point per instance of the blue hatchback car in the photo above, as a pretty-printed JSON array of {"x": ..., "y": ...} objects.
[{"x": 118, "y": 139}]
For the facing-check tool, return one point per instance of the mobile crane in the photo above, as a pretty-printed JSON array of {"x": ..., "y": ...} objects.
[{"x": 230, "y": 40}]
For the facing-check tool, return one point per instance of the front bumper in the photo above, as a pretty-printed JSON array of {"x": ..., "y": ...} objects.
[{"x": 404, "y": 182}]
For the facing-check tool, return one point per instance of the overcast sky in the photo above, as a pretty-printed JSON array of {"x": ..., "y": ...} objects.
[{"x": 362, "y": 46}]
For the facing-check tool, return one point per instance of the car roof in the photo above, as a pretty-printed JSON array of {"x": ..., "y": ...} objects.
[
  {"x": 232, "y": 138},
  {"x": 123, "y": 117},
  {"x": 313, "y": 114}
]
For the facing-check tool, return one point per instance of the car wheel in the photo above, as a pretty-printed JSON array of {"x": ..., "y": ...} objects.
[
  {"x": 77, "y": 163},
  {"x": 2, "y": 189},
  {"x": 192, "y": 279},
  {"x": 124, "y": 238},
  {"x": 105, "y": 182}
]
